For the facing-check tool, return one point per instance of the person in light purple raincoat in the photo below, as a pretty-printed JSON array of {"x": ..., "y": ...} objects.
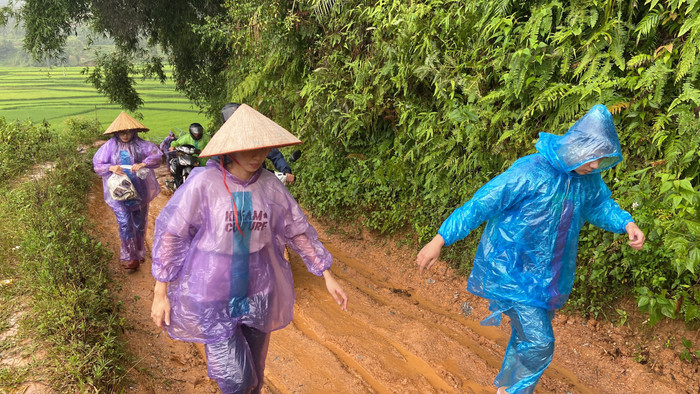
[
  {"x": 165, "y": 146},
  {"x": 218, "y": 253},
  {"x": 127, "y": 154}
]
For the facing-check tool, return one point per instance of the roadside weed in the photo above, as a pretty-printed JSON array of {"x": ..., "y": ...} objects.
[
  {"x": 688, "y": 354},
  {"x": 58, "y": 271}
]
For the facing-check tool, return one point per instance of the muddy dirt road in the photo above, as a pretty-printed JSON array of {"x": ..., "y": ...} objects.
[{"x": 402, "y": 333}]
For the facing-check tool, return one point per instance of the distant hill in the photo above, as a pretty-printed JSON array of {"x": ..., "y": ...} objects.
[{"x": 76, "y": 53}]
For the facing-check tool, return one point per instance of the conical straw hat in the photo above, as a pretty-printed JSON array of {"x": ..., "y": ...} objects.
[
  {"x": 248, "y": 129},
  {"x": 124, "y": 122}
]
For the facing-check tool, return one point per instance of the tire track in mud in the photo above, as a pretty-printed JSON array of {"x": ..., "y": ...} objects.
[
  {"x": 391, "y": 339},
  {"x": 402, "y": 333},
  {"x": 394, "y": 339},
  {"x": 460, "y": 323}
]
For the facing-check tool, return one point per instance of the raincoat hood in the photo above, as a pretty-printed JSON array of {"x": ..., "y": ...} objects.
[
  {"x": 534, "y": 213},
  {"x": 592, "y": 137}
]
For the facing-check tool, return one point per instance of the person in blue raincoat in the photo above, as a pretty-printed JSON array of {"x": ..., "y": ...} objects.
[{"x": 526, "y": 260}]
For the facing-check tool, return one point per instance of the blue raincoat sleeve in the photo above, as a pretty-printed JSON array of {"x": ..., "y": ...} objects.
[
  {"x": 279, "y": 162},
  {"x": 499, "y": 194},
  {"x": 604, "y": 212}
]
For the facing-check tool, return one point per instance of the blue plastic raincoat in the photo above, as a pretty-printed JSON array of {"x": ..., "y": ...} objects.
[{"x": 535, "y": 211}]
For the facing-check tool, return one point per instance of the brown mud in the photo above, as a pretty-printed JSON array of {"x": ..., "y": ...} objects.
[{"x": 402, "y": 333}]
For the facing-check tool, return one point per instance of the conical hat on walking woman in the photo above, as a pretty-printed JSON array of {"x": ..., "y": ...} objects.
[
  {"x": 248, "y": 129},
  {"x": 124, "y": 122}
]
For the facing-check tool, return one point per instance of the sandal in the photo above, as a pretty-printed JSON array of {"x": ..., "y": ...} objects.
[{"x": 130, "y": 265}]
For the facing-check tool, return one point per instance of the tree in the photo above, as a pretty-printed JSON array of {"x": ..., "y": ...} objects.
[{"x": 199, "y": 58}]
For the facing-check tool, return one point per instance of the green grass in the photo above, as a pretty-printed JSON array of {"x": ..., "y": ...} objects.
[
  {"x": 53, "y": 95},
  {"x": 59, "y": 297}
]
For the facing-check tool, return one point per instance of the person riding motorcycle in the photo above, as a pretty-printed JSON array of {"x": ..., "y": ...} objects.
[
  {"x": 196, "y": 138},
  {"x": 275, "y": 156}
]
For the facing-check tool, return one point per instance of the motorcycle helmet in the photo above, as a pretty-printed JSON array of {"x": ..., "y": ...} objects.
[
  {"x": 196, "y": 131},
  {"x": 228, "y": 110}
]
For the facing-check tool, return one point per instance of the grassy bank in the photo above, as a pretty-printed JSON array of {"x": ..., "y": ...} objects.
[
  {"x": 53, "y": 95},
  {"x": 59, "y": 325}
]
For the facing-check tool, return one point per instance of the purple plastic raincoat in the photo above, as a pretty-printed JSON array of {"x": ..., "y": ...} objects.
[
  {"x": 131, "y": 215},
  {"x": 220, "y": 277}
]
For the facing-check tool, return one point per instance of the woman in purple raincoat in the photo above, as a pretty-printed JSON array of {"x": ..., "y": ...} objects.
[
  {"x": 218, "y": 253},
  {"x": 128, "y": 155}
]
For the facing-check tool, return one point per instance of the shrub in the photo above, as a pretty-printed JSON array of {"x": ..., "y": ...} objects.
[{"x": 407, "y": 108}]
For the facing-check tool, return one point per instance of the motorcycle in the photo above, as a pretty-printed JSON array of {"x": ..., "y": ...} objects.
[{"x": 182, "y": 164}]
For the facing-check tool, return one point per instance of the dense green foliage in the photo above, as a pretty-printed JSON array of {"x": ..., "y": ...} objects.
[
  {"x": 54, "y": 270},
  {"x": 408, "y": 107},
  {"x": 55, "y": 94}
]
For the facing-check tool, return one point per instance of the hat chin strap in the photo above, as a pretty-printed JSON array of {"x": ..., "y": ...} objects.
[
  {"x": 233, "y": 203},
  {"x": 233, "y": 159}
]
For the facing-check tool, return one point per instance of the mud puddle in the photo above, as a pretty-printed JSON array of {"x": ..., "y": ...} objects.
[{"x": 403, "y": 332}]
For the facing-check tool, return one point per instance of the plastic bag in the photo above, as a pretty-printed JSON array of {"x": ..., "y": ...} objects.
[
  {"x": 121, "y": 188},
  {"x": 142, "y": 173}
]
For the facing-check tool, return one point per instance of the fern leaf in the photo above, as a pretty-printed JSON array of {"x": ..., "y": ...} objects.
[
  {"x": 689, "y": 24},
  {"x": 660, "y": 122},
  {"x": 649, "y": 23},
  {"x": 548, "y": 99},
  {"x": 322, "y": 8},
  {"x": 688, "y": 56},
  {"x": 501, "y": 8},
  {"x": 569, "y": 108},
  {"x": 689, "y": 94},
  {"x": 592, "y": 17},
  {"x": 546, "y": 71},
  {"x": 639, "y": 60}
]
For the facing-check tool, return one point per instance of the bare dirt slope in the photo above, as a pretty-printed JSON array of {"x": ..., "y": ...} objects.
[{"x": 403, "y": 332}]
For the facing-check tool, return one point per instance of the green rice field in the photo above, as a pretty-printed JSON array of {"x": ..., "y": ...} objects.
[{"x": 55, "y": 94}]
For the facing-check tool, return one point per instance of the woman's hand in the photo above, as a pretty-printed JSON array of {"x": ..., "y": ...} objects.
[
  {"x": 117, "y": 169},
  {"x": 160, "y": 309},
  {"x": 636, "y": 236},
  {"x": 430, "y": 253},
  {"x": 336, "y": 291},
  {"x": 137, "y": 167}
]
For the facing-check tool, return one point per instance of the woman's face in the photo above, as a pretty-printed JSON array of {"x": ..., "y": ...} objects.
[
  {"x": 125, "y": 136},
  {"x": 250, "y": 160},
  {"x": 586, "y": 168}
]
